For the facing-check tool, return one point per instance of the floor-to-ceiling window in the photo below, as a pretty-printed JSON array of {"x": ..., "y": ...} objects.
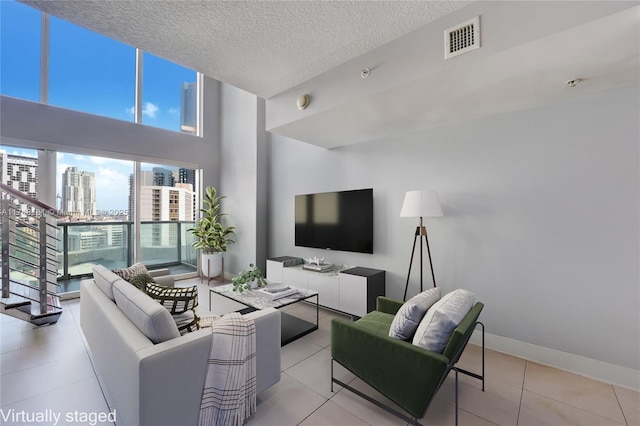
[
  {"x": 93, "y": 201},
  {"x": 47, "y": 60}
]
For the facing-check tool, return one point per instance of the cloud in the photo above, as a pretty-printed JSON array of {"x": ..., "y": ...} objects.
[
  {"x": 110, "y": 179},
  {"x": 150, "y": 109},
  {"x": 173, "y": 111},
  {"x": 30, "y": 154},
  {"x": 98, "y": 160},
  {"x": 112, "y": 161}
]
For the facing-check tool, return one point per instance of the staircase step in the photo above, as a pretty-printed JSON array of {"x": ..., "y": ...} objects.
[
  {"x": 14, "y": 302},
  {"x": 30, "y": 311}
]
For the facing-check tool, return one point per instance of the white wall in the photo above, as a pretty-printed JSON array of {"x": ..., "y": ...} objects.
[
  {"x": 242, "y": 175},
  {"x": 541, "y": 220}
]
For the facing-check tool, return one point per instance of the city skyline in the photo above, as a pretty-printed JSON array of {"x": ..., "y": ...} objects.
[{"x": 111, "y": 176}]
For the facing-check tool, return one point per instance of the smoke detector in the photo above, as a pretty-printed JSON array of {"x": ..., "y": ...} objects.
[{"x": 462, "y": 38}]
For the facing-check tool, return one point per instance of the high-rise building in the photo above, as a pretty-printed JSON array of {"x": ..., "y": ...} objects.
[
  {"x": 78, "y": 193},
  {"x": 188, "y": 107},
  {"x": 163, "y": 177},
  {"x": 187, "y": 176},
  {"x": 162, "y": 203},
  {"x": 20, "y": 173}
]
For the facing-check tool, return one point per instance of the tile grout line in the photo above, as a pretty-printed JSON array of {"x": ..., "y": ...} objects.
[
  {"x": 619, "y": 405},
  {"x": 524, "y": 378}
]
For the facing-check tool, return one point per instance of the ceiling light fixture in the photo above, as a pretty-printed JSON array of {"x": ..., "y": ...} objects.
[
  {"x": 573, "y": 83},
  {"x": 303, "y": 101}
]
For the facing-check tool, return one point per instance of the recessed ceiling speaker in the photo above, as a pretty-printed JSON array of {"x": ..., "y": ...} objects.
[{"x": 303, "y": 101}]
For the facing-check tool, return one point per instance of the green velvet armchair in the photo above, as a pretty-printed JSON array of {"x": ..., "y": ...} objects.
[{"x": 405, "y": 373}]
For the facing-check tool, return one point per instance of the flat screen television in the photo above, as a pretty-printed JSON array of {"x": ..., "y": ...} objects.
[{"x": 340, "y": 220}]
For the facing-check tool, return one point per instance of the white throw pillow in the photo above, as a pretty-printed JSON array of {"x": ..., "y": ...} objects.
[
  {"x": 408, "y": 317},
  {"x": 442, "y": 318}
]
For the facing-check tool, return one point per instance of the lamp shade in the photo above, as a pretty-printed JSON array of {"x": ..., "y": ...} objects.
[{"x": 423, "y": 203}]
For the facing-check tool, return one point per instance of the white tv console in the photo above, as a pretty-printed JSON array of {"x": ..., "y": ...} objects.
[{"x": 348, "y": 289}]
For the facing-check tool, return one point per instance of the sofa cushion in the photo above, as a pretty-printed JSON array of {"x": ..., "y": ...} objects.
[
  {"x": 128, "y": 273},
  {"x": 405, "y": 323},
  {"x": 442, "y": 318},
  {"x": 151, "y": 318},
  {"x": 177, "y": 300},
  {"x": 104, "y": 279}
]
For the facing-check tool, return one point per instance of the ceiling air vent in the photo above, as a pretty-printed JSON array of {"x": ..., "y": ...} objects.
[{"x": 462, "y": 38}]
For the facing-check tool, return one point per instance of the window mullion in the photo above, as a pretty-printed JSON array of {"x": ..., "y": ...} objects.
[
  {"x": 44, "y": 58},
  {"x": 138, "y": 94}
]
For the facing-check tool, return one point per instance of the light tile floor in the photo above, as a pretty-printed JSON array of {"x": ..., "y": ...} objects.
[{"x": 48, "y": 370}]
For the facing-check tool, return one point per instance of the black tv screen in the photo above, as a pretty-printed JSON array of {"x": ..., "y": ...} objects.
[{"x": 335, "y": 220}]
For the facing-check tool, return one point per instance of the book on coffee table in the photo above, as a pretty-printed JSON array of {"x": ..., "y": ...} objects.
[{"x": 276, "y": 292}]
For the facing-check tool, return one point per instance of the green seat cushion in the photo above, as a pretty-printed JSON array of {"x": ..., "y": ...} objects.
[{"x": 376, "y": 322}]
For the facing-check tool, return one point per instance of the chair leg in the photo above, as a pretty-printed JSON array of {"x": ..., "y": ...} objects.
[
  {"x": 456, "y": 370},
  {"x": 482, "y": 353},
  {"x": 332, "y": 375}
]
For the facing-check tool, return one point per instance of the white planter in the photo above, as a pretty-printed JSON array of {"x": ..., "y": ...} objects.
[{"x": 211, "y": 264}]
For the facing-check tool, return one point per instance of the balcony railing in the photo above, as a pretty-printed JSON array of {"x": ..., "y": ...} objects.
[{"x": 83, "y": 245}]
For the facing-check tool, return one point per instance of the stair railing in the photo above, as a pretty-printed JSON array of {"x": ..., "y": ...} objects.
[{"x": 29, "y": 236}]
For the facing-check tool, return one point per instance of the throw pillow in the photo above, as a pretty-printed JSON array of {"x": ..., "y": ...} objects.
[
  {"x": 186, "y": 322},
  {"x": 177, "y": 300},
  {"x": 140, "y": 281},
  {"x": 442, "y": 318},
  {"x": 128, "y": 273},
  {"x": 406, "y": 321}
]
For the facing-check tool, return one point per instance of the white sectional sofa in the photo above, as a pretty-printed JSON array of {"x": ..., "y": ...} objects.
[{"x": 157, "y": 384}]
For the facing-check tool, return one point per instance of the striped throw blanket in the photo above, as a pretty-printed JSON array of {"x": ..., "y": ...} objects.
[{"x": 229, "y": 395}]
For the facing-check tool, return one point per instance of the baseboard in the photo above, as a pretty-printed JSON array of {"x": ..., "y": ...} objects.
[{"x": 588, "y": 367}]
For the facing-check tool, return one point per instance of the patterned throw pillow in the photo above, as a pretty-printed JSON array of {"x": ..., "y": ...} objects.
[
  {"x": 140, "y": 281},
  {"x": 406, "y": 321},
  {"x": 178, "y": 301},
  {"x": 128, "y": 273}
]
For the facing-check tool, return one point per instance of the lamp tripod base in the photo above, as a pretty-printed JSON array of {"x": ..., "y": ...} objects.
[{"x": 421, "y": 231}]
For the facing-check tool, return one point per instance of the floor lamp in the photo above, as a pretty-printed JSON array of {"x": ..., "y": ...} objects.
[{"x": 420, "y": 204}]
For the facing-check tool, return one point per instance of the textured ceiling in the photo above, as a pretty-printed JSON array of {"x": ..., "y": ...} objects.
[{"x": 263, "y": 47}]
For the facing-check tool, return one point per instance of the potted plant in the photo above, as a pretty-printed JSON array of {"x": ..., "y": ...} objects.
[
  {"x": 252, "y": 277},
  {"x": 212, "y": 237}
]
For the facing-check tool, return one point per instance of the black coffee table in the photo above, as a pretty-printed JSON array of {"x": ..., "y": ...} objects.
[{"x": 292, "y": 327}]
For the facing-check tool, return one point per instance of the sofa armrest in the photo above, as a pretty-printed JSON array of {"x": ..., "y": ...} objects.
[
  {"x": 163, "y": 277},
  {"x": 267, "y": 347},
  {"x": 407, "y": 374},
  {"x": 387, "y": 305},
  {"x": 171, "y": 379},
  {"x": 165, "y": 280}
]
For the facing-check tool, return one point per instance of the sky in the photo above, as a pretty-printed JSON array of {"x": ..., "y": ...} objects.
[{"x": 89, "y": 73}]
